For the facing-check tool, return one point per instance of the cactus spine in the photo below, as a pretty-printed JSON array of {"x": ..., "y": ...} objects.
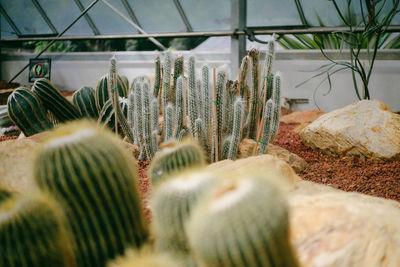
[
  {"x": 244, "y": 67},
  {"x": 95, "y": 181},
  {"x": 32, "y": 233},
  {"x": 178, "y": 71},
  {"x": 225, "y": 147},
  {"x": 157, "y": 76},
  {"x": 238, "y": 110},
  {"x": 25, "y": 110},
  {"x": 52, "y": 100},
  {"x": 244, "y": 222},
  {"x": 205, "y": 99},
  {"x": 179, "y": 112},
  {"x": 221, "y": 79},
  {"x": 85, "y": 101},
  {"x": 192, "y": 109},
  {"x": 175, "y": 156},
  {"x": 154, "y": 115},
  {"x": 267, "y": 79},
  {"x": 266, "y": 127},
  {"x": 169, "y": 124},
  {"x": 277, "y": 106},
  {"x": 138, "y": 112},
  {"x": 146, "y": 124},
  {"x": 252, "y": 119},
  {"x": 166, "y": 80}
]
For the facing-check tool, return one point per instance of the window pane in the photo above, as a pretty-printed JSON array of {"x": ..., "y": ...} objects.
[
  {"x": 26, "y": 17},
  {"x": 61, "y": 20},
  {"x": 272, "y": 13},
  {"x": 107, "y": 21},
  {"x": 208, "y": 15},
  {"x": 6, "y": 30},
  {"x": 158, "y": 15}
]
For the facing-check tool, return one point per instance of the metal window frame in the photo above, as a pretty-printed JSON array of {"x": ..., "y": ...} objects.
[
  {"x": 301, "y": 13},
  {"x": 183, "y": 15},
  {"x": 129, "y": 9},
  {"x": 88, "y": 18},
  {"x": 10, "y": 21},
  {"x": 44, "y": 16}
]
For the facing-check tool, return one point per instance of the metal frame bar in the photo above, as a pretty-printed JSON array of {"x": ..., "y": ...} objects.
[
  {"x": 183, "y": 15},
  {"x": 238, "y": 41},
  {"x": 10, "y": 21},
  {"x": 130, "y": 12},
  {"x": 44, "y": 16},
  {"x": 301, "y": 13},
  {"x": 88, "y": 18}
]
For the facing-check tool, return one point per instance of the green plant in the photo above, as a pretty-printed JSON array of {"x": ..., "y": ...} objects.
[
  {"x": 146, "y": 122},
  {"x": 166, "y": 80},
  {"x": 32, "y": 233},
  {"x": 238, "y": 111},
  {"x": 103, "y": 90},
  {"x": 179, "y": 107},
  {"x": 175, "y": 157},
  {"x": 25, "y": 110},
  {"x": 157, "y": 76},
  {"x": 168, "y": 122},
  {"x": 91, "y": 175},
  {"x": 266, "y": 126},
  {"x": 206, "y": 100},
  {"x": 178, "y": 71},
  {"x": 254, "y": 95},
  {"x": 4, "y": 194},
  {"x": 276, "y": 107},
  {"x": 191, "y": 96},
  {"x": 219, "y": 102},
  {"x": 84, "y": 100},
  {"x": 53, "y": 101},
  {"x": 244, "y": 221}
]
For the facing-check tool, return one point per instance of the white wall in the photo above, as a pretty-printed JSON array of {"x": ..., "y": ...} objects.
[{"x": 74, "y": 70}]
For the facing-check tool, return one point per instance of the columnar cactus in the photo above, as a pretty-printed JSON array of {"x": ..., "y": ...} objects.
[
  {"x": 267, "y": 67},
  {"x": 33, "y": 234},
  {"x": 192, "y": 109},
  {"x": 225, "y": 147},
  {"x": 244, "y": 222},
  {"x": 85, "y": 101},
  {"x": 244, "y": 68},
  {"x": 52, "y": 100},
  {"x": 175, "y": 157},
  {"x": 179, "y": 105},
  {"x": 146, "y": 122},
  {"x": 277, "y": 106},
  {"x": 25, "y": 111},
  {"x": 169, "y": 122},
  {"x": 206, "y": 100},
  {"x": 138, "y": 112},
  {"x": 266, "y": 127},
  {"x": 178, "y": 71},
  {"x": 172, "y": 203},
  {"x": 166, "y": 80},
  {"x": 252, "y": 117},
  {"x": 157, "y": 76},
  {"x": 231, "y": 89},
  {"x": 131, "y": 107},
  {"x": 219, "y": 102},
  {"x": 238, "y": 110},
  {"x": 182, "y": 134},
  {"x": 154, "y": 115},
  {"x": 92, "y": 176}
]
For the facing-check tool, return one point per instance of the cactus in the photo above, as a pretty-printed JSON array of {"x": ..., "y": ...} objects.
[
  {"x": 266, "y": 127},
  {"x": 131, "y": 109},
  {"x": 225, "y": 147},
  {"x": 179, "y": 112},
  {"x": 173, "y": 157},
  {"x": 154, "y": 115},
  {"x": 126, "y": 83},
  {"x": 169, "y": 122},
  {"x": 178, "y": 71},
  {"x": 238, "y": 110},
  {"x": 157, "y": 76},
  {"x": 277, "y": 106},
  {"x": 231, "y": 89},
  {"x": 92, "y": 176},
  {"x": 243, "y": 222},
  {"x": 5, "y": 121},
  {"x": 221, "y": 80},
  {"x": 52, "y": 100},
  {"x": 85, "y": 101},
  {"x": 192, "y": 109},
  {"x": 103, "y": 90},
  {"x": 252, "y": 116},
  {"x": 266, "y": 80},
  {"x": 25, "y": 111},
  {"x": 154, "y": 141},
  {"x": 166, "y": 80},
  {"x": 32, "y": 233},
  {"x": 182, "y": 134},
  {"x": 138, "y": 112},
  {"x": 244, "y": 67},
  {"x": 172, "y": 204},
  {"x": 107, "y": 114},
  {"x": 146, "y": 123},
  {"x": 4, "y": 195},
  {"x": 206, "y": 100}
]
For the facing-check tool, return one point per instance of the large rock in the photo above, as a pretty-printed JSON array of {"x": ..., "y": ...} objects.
[
  {"x": 332, "y": 228},
  {"x": 248, "y": 148},
  {"x": 305, "y": 116},
  {"x": 367, "y": 128}
]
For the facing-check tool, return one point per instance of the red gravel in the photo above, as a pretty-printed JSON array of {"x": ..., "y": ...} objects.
[
  {"x": 5, "y": 138},
  {"x": 353, "y": 174}
]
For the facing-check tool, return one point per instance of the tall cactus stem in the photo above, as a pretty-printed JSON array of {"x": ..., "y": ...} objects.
[
  {"x": 157, "y": 76},
  {"x": 192, "y": 109},
  {"x": 146, "y": 121},
  {"x": 166, "y": 80},
  {"x": 169, "y": 124},
  {"x": 277, "y": 106},
  {"x": 266, "y": 127},
  {"x": 252, "y": 128},
  {"x": 238, "y": 110},
  {"x": 179, "y": 105}
]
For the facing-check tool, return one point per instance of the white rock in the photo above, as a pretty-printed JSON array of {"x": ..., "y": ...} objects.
[{"x": 367, "y": 128}]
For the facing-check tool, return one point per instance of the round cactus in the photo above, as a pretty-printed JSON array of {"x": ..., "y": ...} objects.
[
  {"x": 102, "y": 90},
  {"x": 25, "y": 110},
  {"x": 32, "y": 233},
  {"x": 175, "y": 157},
  {"x": 4, "y": 194},
  {"x": 244, "y": 222},
  {"x": 85, "y": 101},
  {"x": 93, "y": 177}
]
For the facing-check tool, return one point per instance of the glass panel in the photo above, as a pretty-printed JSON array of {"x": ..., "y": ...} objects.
[
  {"x": 61, "y": 20},
  {"x": 26, "y": 17},
  {"x": 107, "y": 21},
  {"x": 158, "y": 15},
  {"x": 6, "y": 30},
  {"x": 208, "y": 15},
  {"x": 272, "y": 13}
]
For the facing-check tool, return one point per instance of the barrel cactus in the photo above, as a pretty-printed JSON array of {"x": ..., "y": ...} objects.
[
  {"x": 244, "y": 222},
  {"x": 94, "y": 179},
  {"x": 103, "y": 90},
  {"x": 85, "y": 101}
]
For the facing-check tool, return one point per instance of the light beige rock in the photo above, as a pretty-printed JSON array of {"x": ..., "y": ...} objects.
[
  {"x": 248, "y": 148},
  {"x": 331, "y": 228},
  {"x": 16, "y": 164},
  {"x": 367, "y": 128},
  {"x": 305, "y": 116}
]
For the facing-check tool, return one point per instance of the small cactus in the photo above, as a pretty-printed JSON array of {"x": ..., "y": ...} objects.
[
  {"x": 225, "y": 147},
  {"x": 178, "y": 71},
  {"x": 157, "y": 76},
  {"x": 192, "y": 109},
  {"x": 169, "y": 122},
  {"x": 179, "y": 106},
  {"x": 238, "y": 110},
  {"x": 154, "y": 115},
  {"x": 103, "y": 90},
  {"x": 244, "y": 67},
  {"x": 146, "y": 123},
  {"x": 166, "y": 80},
  {"x": 243, "y": 222},
  {"x": 277, "y": 106},
  {"x": 85, "y": 101},
  {"x": 206, "y": 100},
  {"x": 221, "y": 80},
  {"x": 266, "y": 127},
  {"x": 252, "y": 116},
  {"x": 92, "y": 176}
]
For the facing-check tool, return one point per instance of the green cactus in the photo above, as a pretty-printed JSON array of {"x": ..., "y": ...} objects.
[
  {"x": 126, "y": 83},
  {"x": 166, "y": 80},
  {"x": 146, "y": 122},
  {"x": 92, "y": 176},
  {"x": 154, "y": 141},
  {"x": 175, "y": 157},
  {"x": 138, "y": 112},
  {"x": 4, "y": 194},
  {"x": 131, "y": 109},
  {"x": 154, "y": 115},
  {"x": 252, "y": 116},
  {"x": 221, "y": 80},
  {"x": 85, "y": 101},
  {"x": 266, "y": 127},
  {"x": 231, "y": 89},
  {"x": 107, "y": 114},
  {"x": 33, "y": 234},
  {"x": 5, "y": 121},
  {"x": 157, "y": 76},
  {"x": 225, "y": 147},
  {"x": 238, "y": 110},
  {"x": 179, "y": 112},
  {"x": 206, "y": 100},
  {"x": 267, "y": 67},
  {"x": 103, "y": 90},
  {"x": 243, "y": 222},
  {"x": 25, "y": 110},
  {"x": 244, "y": 68},
  {"x": 192, "y": 109},
  {"x": 172, "y": 203},
  {"x": 52, "y": 100},
  {"x": 182, "y": 134},
  {"x": 178, "y": 71},
  {"x": 169, "y": 122},
  {"x": 277, "y": 106}
]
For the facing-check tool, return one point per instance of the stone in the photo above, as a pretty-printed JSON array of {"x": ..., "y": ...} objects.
[
  {"x": 305, "y": 116},
  {"x": 367, "y": 128},
  {"x": 332, "y": 228},
  {"x": 248, "y": 148}
]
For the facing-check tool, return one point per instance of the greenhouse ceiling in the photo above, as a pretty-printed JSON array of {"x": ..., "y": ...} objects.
[{"x": 24, "y": 20}]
